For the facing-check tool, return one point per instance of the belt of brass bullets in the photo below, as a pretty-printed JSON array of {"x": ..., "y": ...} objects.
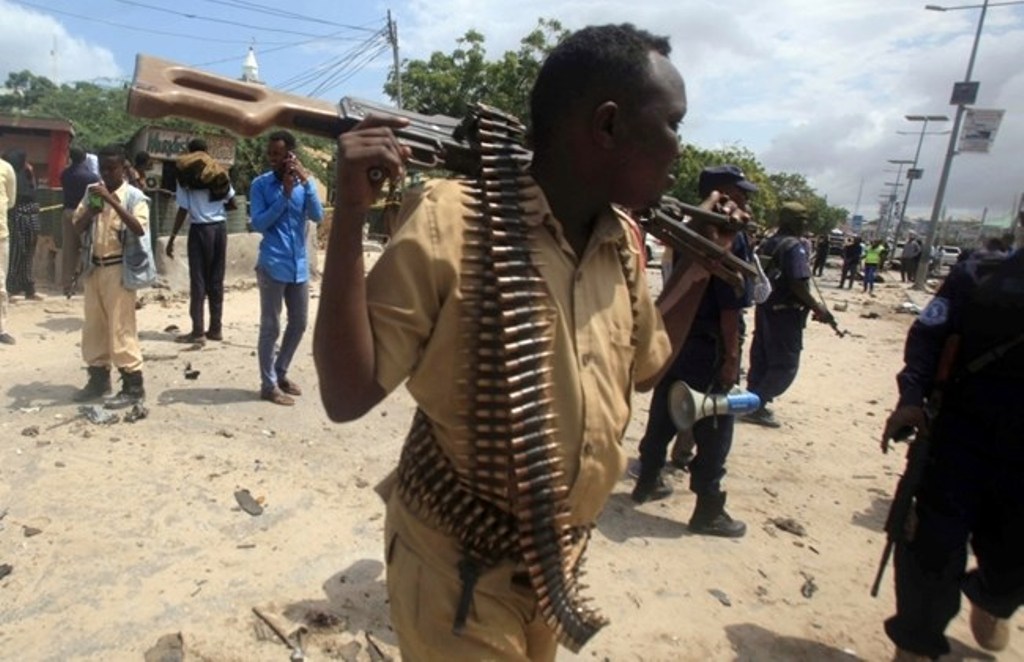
[{"x": 511, "y": 502}]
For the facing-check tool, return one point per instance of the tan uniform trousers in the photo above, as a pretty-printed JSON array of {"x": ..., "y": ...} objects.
[
  {"x": 71, "y": 246},
  {"x": 503, "y": 622},
  {"x": 110, "y": 336},
  {"x": 3, "y": 284}
]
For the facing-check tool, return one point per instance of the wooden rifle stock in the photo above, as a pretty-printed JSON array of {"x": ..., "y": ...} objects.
[{"x": 161, "y": 88}]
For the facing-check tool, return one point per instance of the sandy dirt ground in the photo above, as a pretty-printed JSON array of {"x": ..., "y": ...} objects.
[{"x": 120, "y": 534}]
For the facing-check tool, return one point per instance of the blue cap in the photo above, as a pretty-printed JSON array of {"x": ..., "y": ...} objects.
[{"x": 712, "y": 179}]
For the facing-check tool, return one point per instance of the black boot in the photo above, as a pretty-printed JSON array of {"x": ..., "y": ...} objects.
[
  {"x": 97, "y": 386},
  {"x": 710, "y": 519},
  {"x": 650, "y": 486},
  {"x": 131, "y": 391}
]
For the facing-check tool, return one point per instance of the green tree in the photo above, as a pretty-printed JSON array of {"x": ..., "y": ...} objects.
[
  {"x": 448, "y": 83},
  {"x": 25, "y": 89}
]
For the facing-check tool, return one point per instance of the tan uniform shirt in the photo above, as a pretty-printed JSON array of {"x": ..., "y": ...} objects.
[
  {"x": 414, "y": 299},
  {"x": 108, "y": 225}
]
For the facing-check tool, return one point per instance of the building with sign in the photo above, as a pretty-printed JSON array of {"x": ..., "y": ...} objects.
[
  {"x": 164, "y": 146},
  {"x": 45, "y": 141}
]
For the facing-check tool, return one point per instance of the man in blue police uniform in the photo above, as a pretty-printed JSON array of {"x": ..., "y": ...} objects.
[
  {"x": 967, "y": 346},
  {"x": 709, "y": 362},
  {"x": 779, "y": 321}
]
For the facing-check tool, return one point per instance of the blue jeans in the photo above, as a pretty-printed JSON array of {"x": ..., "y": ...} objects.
[
  {"x": 869, "y": 277},
  {"x": 295, "y": 297}
]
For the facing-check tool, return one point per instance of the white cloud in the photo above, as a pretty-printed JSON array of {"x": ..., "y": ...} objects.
[{"x": 27, "y": 39}]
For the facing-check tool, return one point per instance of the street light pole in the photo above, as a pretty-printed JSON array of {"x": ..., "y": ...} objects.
[
  {"x": 917, "y": 155},
  {"x": 940, "y": 194}
]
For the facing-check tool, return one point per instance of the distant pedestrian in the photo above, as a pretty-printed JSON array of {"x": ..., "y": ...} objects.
[
  {"x": 8, "y": 195},
  {"x": 852, "y": 254},
  {"x": 74, "y": 180},
  {"x": 910, "y": 257},
  {"x": 282, "y": 200},
  {"x": 24, "y": 228},
  {"x": 872, "y": 262},
  {"x": 204, "y": 196},
  {"x": 820, "y": 255}
]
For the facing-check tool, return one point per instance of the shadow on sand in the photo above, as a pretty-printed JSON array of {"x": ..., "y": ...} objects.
[
  {"x": 621, "y": 520},
  {"x": 206, "y": 396}
]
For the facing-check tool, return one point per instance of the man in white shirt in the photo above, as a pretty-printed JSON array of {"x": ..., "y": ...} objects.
[{"x": 204, "y": 196}]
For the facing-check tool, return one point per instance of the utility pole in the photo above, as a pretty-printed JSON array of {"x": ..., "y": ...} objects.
[{"x": 393, "y": 38}]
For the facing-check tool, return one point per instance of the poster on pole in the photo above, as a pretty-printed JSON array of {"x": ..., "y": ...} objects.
[{"x": 980, "y": 127}]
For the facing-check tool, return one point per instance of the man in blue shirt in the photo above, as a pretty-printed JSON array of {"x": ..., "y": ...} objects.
[
  {"x": 708, "y": 362},
  {"x": 779, "y": 321},
  {"x": 281, "y": 201}
]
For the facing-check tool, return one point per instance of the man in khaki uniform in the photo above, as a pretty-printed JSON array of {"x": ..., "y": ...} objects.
[
  {"x": 8, "y": 195},
  {"x": 605, "y": 110},
  {"x": 109, "y": 335}
]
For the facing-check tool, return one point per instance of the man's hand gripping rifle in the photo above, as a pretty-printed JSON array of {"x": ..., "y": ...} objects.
[
  {"x": 903, "y": 422},
  {"x": 161, "y": 88}
]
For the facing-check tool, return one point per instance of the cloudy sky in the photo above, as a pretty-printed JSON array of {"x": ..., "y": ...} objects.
[{"x": 819, "y": 88}]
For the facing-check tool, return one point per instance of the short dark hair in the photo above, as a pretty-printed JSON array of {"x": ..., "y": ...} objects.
[
  {"x": 609, "y": 61},
  {"x": 197, "y": 145},
  {"x": 284, "y": 136},
  {"x": 76, "y": 154},
  {"x": 141, "y": 158},
  {"x": 113, "y": 150}
]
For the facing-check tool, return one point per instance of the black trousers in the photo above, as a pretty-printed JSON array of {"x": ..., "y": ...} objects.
[
  {"x": 775, "y": 351},
  {"x": 971, "y": 494},
  {"x": 698, "y": 364},
  {"x": 207, "y": 255}
]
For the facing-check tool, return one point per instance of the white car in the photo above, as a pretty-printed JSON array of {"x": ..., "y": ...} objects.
[
  {"x": 654, "y": 249},
  {"x": 950, "y": 254}
]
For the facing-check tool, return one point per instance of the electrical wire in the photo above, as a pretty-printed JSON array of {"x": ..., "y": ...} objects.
[
  {"x": 325, "y": 70},
  {"x": 222, "y": 21},
  {"x": 280, "y": 13},
  {"x": 275, "y": 49},
  {"x": 132, "y": 28},
  {"x": 340, "y": 76}
]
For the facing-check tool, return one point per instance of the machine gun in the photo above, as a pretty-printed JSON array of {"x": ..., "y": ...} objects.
[{"x": 161, "y": 88}]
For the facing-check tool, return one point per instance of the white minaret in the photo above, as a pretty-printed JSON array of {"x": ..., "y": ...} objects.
[{"x": 251, "y": 69}]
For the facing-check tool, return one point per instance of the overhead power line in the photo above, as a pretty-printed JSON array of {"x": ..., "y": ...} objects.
[
  {"x": 133, "y": 28},
  {"x": 222, "y": 21},
  {"x": 274, "y": 49},
  {"x": 280, "y": 13}
]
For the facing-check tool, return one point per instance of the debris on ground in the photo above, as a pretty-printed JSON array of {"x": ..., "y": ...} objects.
[
  {"x": 5, "y": 569},
  {"x": 190, "y": 373},
  {"x": 248, "y": 503},
  {"x": 137, "y": 413},
  {"x": 30, "y": 431},
  {"x": 870, "y": 316},
  {"x": 98, "y": 415},
  {"x": 720, "y": 596},
  {"x": 809, "y": 588},
  {"x": 789, "y": 525},
  {"x": 908, "y": 308}
]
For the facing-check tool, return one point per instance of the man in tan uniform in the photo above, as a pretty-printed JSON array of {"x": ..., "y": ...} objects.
[
  {"x": 605, "y": 110},
  {"x": 109, "y": 335},
  {"x": 8, "y": 195}
]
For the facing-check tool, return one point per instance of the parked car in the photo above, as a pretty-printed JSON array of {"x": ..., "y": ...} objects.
[
  {"x": 950, "y": 255},
  {"x": 654, "y": 249}
]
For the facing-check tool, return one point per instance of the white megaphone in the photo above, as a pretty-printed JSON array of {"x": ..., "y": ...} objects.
[{"x": 686, "y": 406}]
